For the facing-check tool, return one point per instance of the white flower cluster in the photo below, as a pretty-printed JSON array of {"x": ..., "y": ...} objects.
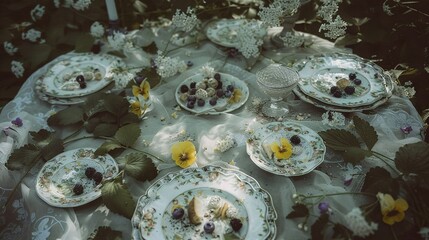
[
  {"x": 120, "y": 74},
  {"x": 335, "y": 28},
  {"x": 32, "y": 35},
  {"x": 248, "y": 39},
  {"x": 120, "y": 41},
  {"x": 272, "y": 15},
  {"x": 358, "y": 225},
  {"x": 17, "y": 68},
  {"x": 9, "y": 48},
  {"x": 207, "y": 71},
  {"x": 333, "y": 119},
  {"x": 328, "y": 9},
  {"x": 37, "y": 12},
  {"x": 167, "y": 66},
  {"x": 405, "y": 91},
  {"x": 97, "y": 30},
  {"x": 387, "y": 9},
  {"x": 225, "y": 144},
  {"x": 185, "y": 21},
  {"x": 81, "y": 5},
  {"x": 292, "y": 40}
]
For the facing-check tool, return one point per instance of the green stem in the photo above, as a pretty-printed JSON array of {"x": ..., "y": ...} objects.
[
  {"x": 86, "y": 137},
  {"x": 379, "y": 154},
  {"x": 342, "y": 193},
  {"x": 73, "y": 134},
  {"x": 10, "y": 197},
  {"x": 169, "y": 41},
  {"x": 393, "y": 233},
  {"x": 413, "y": 9},
  {"x": 384, "y": 161}
]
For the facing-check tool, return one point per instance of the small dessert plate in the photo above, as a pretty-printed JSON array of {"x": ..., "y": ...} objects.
[{"x": 57, "y": 178}]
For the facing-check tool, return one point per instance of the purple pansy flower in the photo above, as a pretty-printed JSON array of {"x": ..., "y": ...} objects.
[
  {"x": 323, "y": 207},
  {"x": 406, "y": 129},
  {"x": 17, "y": 122}
]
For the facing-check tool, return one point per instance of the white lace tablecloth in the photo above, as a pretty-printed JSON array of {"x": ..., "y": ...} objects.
[{"x": 28, "y": 217}]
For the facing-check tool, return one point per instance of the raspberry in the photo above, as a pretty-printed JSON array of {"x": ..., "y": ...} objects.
[
  {"x": 334, "y": 89},
  {"x": 97, "y": 177},
  {"x": 78, "y": 189},
  {"x": 236, "y": 224},
  {"x": 96, "y": 48},
  {"x": 89, "y": 172},
  {"x": 349, "y": 90},
  {"x": 337, "y": 94},
  {"x": 184, "y": 88}
]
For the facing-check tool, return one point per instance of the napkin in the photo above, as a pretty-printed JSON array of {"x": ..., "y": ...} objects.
[{"x": 12, "y": 136}]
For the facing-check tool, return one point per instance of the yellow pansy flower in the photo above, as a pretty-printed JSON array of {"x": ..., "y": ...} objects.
[
  {"x": 236, "y": 96},
  {"x": 143, "y": 90},
  {"x": 184, "y": 154},
  {"x": 282, "y": 151},
  {"x": 392, "y": 210},
  {"x": 137, "y": 108}
]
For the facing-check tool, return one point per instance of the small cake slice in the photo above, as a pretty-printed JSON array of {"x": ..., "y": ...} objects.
[{"x": 195, "y": 211}]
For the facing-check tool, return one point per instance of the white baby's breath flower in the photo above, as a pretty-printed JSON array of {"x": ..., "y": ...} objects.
[
  {"x": 387, "y": 9},
  {"x": 225, "y": 144},
  {"x": 292, "y": 40},
  {"x": 97, "y": 30},
  {"x": 335, "y": 28},
  {"x": 358, "y": 225},
  {"x": 32, "y": 35},
  {"x": 271, "y": 15},
  {"x": 405, "y": 91},
  {"x": 119, "y": 41},
  {"x": 81, "y": 5},
  {"x": 207, "y": 71},
  {"x": 119, "y": 73},
  {"x": 9, "y": 48},
  {"x": 328, "y": 10},
  {"x": 185, "y": 21},
  {"x": 167, "y": 66},
  {"x": 37, "y": 12},
  {"x": 333, "y": 119},
  {"x": 17, "y": 68},
  {"x": 248, "y": 40},
  {"x": 57, "y": 3}
]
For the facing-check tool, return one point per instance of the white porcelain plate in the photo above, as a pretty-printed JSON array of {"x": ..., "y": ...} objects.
[
  {"x": 223, "y": 104},
  {"x": 306, "y": 156},
  {"x": 60, "y": 79},
  {"x": 57, "y": 178},
  {"x": 225, "y": 31},
  {"x": 214, "y": 187},
  {"x": 321, "y": 72}
]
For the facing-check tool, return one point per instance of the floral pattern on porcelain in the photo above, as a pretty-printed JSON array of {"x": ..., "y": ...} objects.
[
  {"x": 300, "y": 163},
  {"x": 254, "y": 203},
  {"x": 56, "y": 179}
]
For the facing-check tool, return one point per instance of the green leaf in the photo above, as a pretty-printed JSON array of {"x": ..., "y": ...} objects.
[
  {"x": 379, "y": 179},
  {"x": 67, "y": 116},
  {"x": 231, "y": 236},
  {"x": 43, "y": 137},
  {"x": 35, "y": 54},
  {"x": 22, "y": 157},
  {"x": 139, "y": 166},
  {"x": 118, "y": 199},
  {"x": 347, "y": 40},
  {"x": 128, "y": 134},
  {"x": 106, "y": 233},
  {"x": 55, "y": 147},
  {"x": 105, "y": 129},
  {"x": 319, "y": 226},
  {"x": 117, "y": 54},
  {"x": 151, "y": 75},
  {"x": 84, "y": 43},
  {"x": 152, "y": 48},
  {"x": 341, "y": 232},
  {"x": 299, "y": 210},
  {"x": 107, "y": 146},
  {"x": 366, "y": 132},
  {"x": 339, "y": 139},
  {"x": 116, "y": 104},
  {"x": 354, "y": 155},
  {"x": 128, "y": 118},
  {"x": 413, "y": 158},
  {"x": 94, "y": 104}
]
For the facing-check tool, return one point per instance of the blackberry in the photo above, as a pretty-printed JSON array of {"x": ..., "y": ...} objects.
[
  {"x": 236, "y": 224},
  {"x": 193, "y": 85},
  {"x": 97, "y": 177},
  {"x": 78, "y": 189},
  {"x": 192, "y": 98},
  {"x": 219, "y": 93},
  {"x": 357, "y": 81},
  {"x": 230, "y": 88},
  {"x": 178, "y": 213},
  {"x": 190, "y": 104},
  {"x": 337, "y": 94},
  {"x": 349, "y": 90},
  {"x": 189, "y": 64},
  {"x": 201, "y": 102},
  {"x": 219, "y": 84},
  {"x": 96, "y": 48},
  {"x": 213, "y": 101},
  {"x": 184, "y": 88},
  {"x": 192, "y": 91},
  {"x": 80, "y": 79},
  {"x": 82, "y": 85},
  {"x": 228, "y": 94},
  {"x": 217, "y": 76},
  {"x": 295, "y": 140},
  {"x": 334, "y": 89},
  {"x": 352, "y": 76},
  {"x": 209, "y": 227},
  {"x": 89, "y": 172}
]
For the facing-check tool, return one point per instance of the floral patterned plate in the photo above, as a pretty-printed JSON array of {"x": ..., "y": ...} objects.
[
  {"x": 57, "y": 178},
  {"x": 321, "y": 72},
  {"x": 60, "y": 80},
  {"x": 317, "y": 103},
  {"x": 306, "y": 155},
  {"x": 215, "y": 187},
  {"x": 224, "y": 32},
  {"x": 223, "y": 104}
]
